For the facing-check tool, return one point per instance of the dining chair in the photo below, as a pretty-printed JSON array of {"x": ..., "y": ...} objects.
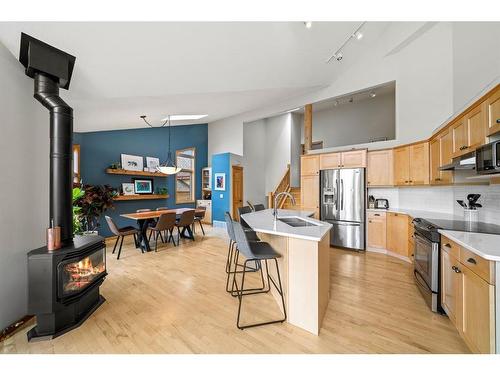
[
  {"x": 252, "y": 252},
  {"x": 122, "y": 233},
  {"x": 198, "y": 218},
  {"x": 258, "y": 207},
  {"x": 165, "y": 224},
  {"x": 185, "y": 222}
]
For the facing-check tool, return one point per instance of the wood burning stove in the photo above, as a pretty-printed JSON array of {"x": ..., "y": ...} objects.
[{"x": 63, "y": 285}]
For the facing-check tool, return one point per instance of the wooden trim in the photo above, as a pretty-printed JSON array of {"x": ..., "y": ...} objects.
[
  {"x": 307, "y": 127},
  {"x": 15, "y": 327},
  {"x": 125, "y": 172},
  {"x": 192, "y": 171},
  {"x": 138, "y": 197}
]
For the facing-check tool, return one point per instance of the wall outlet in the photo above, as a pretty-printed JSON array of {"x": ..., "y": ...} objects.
[{"x": 221, "y": 195}]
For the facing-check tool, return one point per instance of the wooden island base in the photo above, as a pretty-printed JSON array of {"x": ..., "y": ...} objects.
[{"x": 304, "y": 266}]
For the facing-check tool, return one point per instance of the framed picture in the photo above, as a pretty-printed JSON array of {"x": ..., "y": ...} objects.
[
  {"x": 128, "y": 188},
  {"x": 220, "y": 181},
  {"x": 132, "y": 162},
  {"x": 143, "y": 186},
  {"x": 152, "y": 163}
]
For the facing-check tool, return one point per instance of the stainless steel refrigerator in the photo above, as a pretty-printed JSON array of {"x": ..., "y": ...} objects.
[{"x": 343, "y": 199}]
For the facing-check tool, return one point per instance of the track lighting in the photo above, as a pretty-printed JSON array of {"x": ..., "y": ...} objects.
[
  {"x": 358, "y": 35},
  {"x": 335, "y": 103},
  {"x": 373, "y": 94},
  {"x": 351, "y": 99},
  {"x": 308, "y": 24},
  {"x": 338, "y": 55}
]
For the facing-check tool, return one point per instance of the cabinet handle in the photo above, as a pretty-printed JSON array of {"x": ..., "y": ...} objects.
[
  {"x": 376, "y": 215},
  {"x": 456, "y": 269},
  {"x": 472, "y": 260},
  {"x": 498, "y": 120},
  {"x": 369, "y": 221},
  {"x": 447, "y": 245}
]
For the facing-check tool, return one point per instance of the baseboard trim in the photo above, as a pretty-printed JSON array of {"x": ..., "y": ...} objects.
[
  {"x": 15, "y": 327},
  {"x": 390, "y": 253}
]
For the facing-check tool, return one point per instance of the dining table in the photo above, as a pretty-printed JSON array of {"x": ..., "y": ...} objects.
[{"x": 145, "y": 218}]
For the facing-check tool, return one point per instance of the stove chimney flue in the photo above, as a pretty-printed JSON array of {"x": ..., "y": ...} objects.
[{"x": 51, "y": 69}]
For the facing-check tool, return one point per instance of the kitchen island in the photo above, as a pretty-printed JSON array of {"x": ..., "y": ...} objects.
[{"x": 304, "y": 245}]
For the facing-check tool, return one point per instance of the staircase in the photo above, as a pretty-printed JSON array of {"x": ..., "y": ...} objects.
[
  {"x": 295, "y": 191},
  {"x": 284, "y": 185}
]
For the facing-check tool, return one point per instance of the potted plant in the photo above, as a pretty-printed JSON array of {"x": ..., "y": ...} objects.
[
  {"x": 77, "y": 211},
  {"x": 95, "y": 200}
]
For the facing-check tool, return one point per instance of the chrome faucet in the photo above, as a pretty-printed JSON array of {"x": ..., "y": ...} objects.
[{"x": 275, "y": 209}]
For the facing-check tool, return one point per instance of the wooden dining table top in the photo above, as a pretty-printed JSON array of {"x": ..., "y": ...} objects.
[{"x": 156, "y": 214}]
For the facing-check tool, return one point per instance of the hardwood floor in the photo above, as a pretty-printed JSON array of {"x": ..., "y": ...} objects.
[{"x": 174, "y": 301}]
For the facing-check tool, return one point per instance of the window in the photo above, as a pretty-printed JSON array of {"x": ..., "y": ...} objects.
[
  {"x": 76, "y": 164},
  {"x": 184, "y": 180}
]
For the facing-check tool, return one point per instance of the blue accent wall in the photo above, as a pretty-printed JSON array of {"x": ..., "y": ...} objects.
[
  {"x": 221, "y": 163},
  {"x": 100, "y": 149}
]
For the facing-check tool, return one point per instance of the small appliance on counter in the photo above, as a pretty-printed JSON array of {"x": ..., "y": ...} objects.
[
  {"x": 371, "y": 201},
  {"x": 382, "y": 204}
]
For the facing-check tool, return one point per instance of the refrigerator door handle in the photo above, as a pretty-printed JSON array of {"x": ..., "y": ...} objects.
[{"x": 341, "y": 194}]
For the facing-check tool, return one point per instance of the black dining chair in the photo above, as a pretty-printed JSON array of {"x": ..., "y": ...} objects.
[
  {"x": 165, "y": 224},
  {"x": 198, "y": 218},
  {"x": 255, "y": 251},
  {"x": 258, "y": 207},
  {"x": 185, "y": 222},
  {"x": 121, "y": 233}
]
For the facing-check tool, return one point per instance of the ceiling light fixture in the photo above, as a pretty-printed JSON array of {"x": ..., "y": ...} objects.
[
  {"x": 169, "y": 167},
  {"x": 373, "y": 94},
  {"x": 351, "y": 99},
  {"x": 308, "y": 24},
  {"x": 338, "y": 55}
]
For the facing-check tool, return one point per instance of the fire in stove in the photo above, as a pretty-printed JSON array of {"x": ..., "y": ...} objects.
[{"x": 82, "y": 273}]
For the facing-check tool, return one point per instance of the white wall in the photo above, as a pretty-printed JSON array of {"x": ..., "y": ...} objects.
[
  {"x": 476, "y": 59},
  {"x": 443, "y": 199},
  {"x": 254, "y": 161},
  {"x": 359, "y": 122},
  {"x": 278, "y": 141},
  {"x": 24, "y": 147},
  {"x": 423, "y": 71}
]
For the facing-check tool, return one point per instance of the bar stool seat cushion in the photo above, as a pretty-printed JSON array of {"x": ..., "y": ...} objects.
[{"x": 263, "y": 250}]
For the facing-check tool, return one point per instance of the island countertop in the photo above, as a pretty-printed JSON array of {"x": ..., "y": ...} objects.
[{"x": 263, "y": 221}]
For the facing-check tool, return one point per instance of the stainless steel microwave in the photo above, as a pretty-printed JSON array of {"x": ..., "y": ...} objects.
[{"x": 488, "y": 158}]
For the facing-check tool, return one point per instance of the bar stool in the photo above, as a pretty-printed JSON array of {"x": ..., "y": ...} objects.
[
  {"x": 258, "y": 207},
  {"x": 241, "y": 211},
  {"x": 253, "y": 251},
  {"x": 252, "y": 236}
]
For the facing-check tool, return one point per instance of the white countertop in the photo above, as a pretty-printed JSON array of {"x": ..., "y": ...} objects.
[
  {"x": 263, "y": 221},
  {"x": 419, "y": 213},
  {"x": 486, "y": 246}
]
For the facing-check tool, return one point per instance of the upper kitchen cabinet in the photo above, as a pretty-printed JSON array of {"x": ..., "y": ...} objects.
[
  {"x": 440, "y": 154},
  {"x": 380, "y": 168},
  {"x": 492, "y": 106},
  {"x": 411, "y": 165},
  {"x": 309, "y": 165},
  {"x": 347, "y": 159},
  {"x": 469, "y": 131}
]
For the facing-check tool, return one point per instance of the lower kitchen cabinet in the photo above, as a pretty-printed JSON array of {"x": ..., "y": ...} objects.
[
  {"x": 398, "y": 234},
  {"x": 468, "y": 299},
  {"x": 377, "y": 234}
]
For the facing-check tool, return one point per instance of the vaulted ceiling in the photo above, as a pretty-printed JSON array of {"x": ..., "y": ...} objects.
[{"x": 124, "y": 70}]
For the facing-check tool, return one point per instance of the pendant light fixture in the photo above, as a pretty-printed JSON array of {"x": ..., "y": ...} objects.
[{"x": 169, "y": 167}]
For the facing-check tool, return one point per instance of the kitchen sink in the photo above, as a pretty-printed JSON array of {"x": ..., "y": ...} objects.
[{"x": 295, "y": 221}]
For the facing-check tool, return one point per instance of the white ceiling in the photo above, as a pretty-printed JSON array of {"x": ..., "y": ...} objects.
[{"x": 124, "y": 70}]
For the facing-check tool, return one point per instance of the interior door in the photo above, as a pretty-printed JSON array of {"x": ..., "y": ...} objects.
[
  {"x": 351, "y": 194},
  {"x": 237, "y": 188}
]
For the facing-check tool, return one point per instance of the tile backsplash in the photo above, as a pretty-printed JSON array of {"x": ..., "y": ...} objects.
[{"x": 443, "y": 199}]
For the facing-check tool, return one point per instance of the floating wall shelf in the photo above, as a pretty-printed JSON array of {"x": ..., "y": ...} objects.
[
  {"x": 125, "y": 172},
  {"x": 136, "y": 197}
]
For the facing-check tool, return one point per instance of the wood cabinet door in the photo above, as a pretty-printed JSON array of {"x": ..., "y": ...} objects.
[
  {"x": 476, "y": 127},
  {"x": 459, "y": 137},
  {"x": 397, "y": 233},
  {"x": 377, "y": 235},
  {"x": 309, "y": 165},
  {"x": 380, "y": 168},
  {"x": 478, "y": 310},
  {"x": 446, "y": 156},
  {"x": 435, "y": 161},
  {"x": 354, "y": 159},
  {"x": 493, "y": 113},
  {"x": 330, "y": 161},
  {"x": 450, "y": 287},
  {"x": 401, "y": 166},
  {"x": 309, "y": 194},
  {"x": 419, "y": 164}
]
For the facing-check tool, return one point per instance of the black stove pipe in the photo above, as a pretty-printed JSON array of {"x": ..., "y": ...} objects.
[{"x": 61, "y": 150}]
